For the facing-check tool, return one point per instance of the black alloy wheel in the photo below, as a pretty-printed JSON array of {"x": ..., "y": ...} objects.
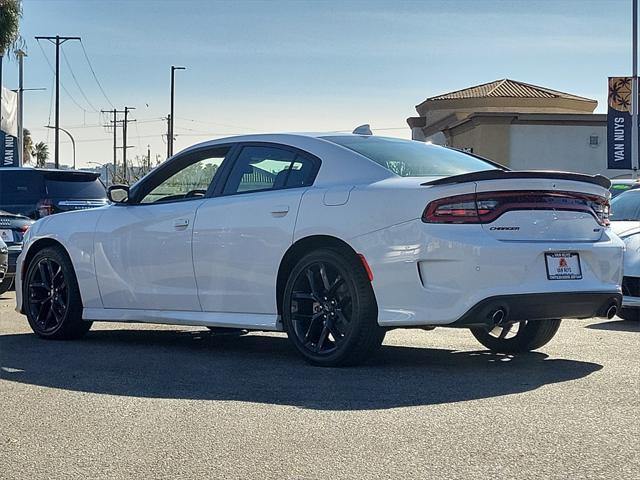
[
  {"x": 48, "y": 297},
  {"x": 330, "y": 312},
  {"x": 321, "y": 308},
  {"x": 52, "y": 298}
]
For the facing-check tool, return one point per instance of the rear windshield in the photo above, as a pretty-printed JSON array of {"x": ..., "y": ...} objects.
[
  {"x": 408, "y": 158},
  {"x": 86, "y": 189},
  {"x": 20, "y": 187},
  {"x": 626, "y": 206}
]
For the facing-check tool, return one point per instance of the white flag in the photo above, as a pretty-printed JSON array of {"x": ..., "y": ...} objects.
[{"x": 9, "y": 112}]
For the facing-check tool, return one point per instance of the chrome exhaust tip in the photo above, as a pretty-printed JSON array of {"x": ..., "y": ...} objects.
[
  {"x": 498, "y": 316},
  {"x": 611, "y": 311}
]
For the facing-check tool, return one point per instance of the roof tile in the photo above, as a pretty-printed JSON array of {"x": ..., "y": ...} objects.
[{"x": 507, "y": 88}]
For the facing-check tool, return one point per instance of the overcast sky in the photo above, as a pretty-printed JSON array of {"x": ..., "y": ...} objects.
[{"x": 256, "y": 66}]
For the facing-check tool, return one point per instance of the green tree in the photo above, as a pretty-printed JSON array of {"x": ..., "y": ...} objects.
[
  {"x": 10, "y": 14},
  {"x": 41, "y": 152},
  {"x": 27, "y": 146}
]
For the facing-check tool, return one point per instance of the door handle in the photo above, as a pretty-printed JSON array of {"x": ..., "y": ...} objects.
[
  {"x": 181, "y": 223},
  {"x": 280, "y": 210}
]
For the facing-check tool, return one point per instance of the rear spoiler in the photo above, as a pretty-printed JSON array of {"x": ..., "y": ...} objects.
[
  {"x": 518, "y": 174},
  {"x": 69, "y": 175}
]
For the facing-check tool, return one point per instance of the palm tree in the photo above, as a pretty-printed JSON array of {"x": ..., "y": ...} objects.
[
  {"x": 41, "y": 152},
  {"x": 27, "y": 146},
  {"x": 10, "y": 14}
]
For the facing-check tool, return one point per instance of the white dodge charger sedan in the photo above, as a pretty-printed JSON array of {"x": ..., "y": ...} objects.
[{"x": 334, "y": 239}]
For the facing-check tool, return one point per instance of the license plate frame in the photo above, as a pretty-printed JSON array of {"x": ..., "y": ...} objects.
[
  {"x": 7, "y": 235},
  {"x": 571, "y": 270}
]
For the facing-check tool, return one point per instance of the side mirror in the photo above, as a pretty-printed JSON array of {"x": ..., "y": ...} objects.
[{"x": 118, "y": 193}]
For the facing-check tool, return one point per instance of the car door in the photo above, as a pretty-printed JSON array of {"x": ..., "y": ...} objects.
[
  {"x": 242, "y": 233},
  {"x": 143, "y": 255}
]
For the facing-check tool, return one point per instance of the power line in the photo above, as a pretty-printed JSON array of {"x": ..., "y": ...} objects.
[
  {"x": 73, "y": 75},
  {"x": 61, "y": 84},
  {"x": 95, "y": 77}
]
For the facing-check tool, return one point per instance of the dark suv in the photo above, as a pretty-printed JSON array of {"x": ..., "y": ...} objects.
[{"x": 38, "y": 192}]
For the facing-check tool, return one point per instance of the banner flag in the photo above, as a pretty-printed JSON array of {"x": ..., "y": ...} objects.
[
  {"x": 619, "y": 123},
  {"x": 9, "y": 129}
]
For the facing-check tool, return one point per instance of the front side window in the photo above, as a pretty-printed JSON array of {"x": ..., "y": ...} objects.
[
  {"x": 260, "y": 168},
  {"x": 192, "y": 181},
  {"x": 408, "y": 158}
]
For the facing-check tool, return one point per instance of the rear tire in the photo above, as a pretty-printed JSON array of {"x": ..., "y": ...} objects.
[
  {"x": 630, "y": 314},
  {"x": 530, "y": 336},
  {"x": 5, "y": 285},
  {"x": 52, "y": 298},
  {"x": 329, "y": 309}
]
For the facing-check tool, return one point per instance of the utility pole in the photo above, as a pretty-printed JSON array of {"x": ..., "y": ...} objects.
[
  {"x": 171, "y": 116},
  {"x": 114, "y": 122},
  {"x": 124, "y": 141},
  {"x": 57, "y": 41},
  {"x": 20, "y": 54},
  {"x": 148, "y": 158},
  {"x": 634, "y": 93}
]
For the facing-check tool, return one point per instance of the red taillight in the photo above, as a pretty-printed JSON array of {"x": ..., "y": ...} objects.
[
  {"x": 456, "y": 209},
  {"x": 485, "y": 207},
  {"x": 23, "y": 229},
  {"x": 44, "y": 208}
]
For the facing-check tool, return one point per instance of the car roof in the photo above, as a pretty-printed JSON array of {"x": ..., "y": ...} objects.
[{"x": 340, "y": 164}]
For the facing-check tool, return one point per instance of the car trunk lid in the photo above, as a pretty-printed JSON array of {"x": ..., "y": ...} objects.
[{"x": 538, "y": 206}]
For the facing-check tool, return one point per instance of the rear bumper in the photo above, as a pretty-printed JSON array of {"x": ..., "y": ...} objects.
[
  {"x": 436, "y": 274},
  {"x": 540, "y": 306}
]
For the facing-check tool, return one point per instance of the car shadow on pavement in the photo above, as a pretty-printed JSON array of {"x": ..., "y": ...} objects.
[
  {"x": 266, "y": 369},
  {"x": 617, "y": 325}
]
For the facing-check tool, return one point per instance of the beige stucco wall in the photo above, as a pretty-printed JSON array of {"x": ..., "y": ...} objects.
[
  {"x": 489, "y": 140},
  {"x": 560, "y": 147}
]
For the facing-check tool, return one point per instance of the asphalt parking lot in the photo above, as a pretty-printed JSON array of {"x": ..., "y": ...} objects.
[{"x": 167, "y": 402}]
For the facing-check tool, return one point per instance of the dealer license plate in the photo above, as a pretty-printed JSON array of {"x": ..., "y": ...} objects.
[
  {"x": 563, "y": 266},
  {"x": 6, "y": 235}
]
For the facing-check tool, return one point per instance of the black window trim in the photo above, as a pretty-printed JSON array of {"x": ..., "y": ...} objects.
[
  {"x": 168, "y": 168},
  {"x": 218, "y": 189}
]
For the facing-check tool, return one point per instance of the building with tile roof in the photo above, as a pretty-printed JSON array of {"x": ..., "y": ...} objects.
[{"x": 520, "y": 125}]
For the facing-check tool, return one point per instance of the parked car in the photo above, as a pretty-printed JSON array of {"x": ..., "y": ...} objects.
[
  {"x": 36, "y": 192},
  {"x": 12, "y": 230},
  {"x": 621, "y": 185},
  {"x": 625, "y": 221},
  {"x": 4, "y": 266},
  {"x": 334, "y": 239}
]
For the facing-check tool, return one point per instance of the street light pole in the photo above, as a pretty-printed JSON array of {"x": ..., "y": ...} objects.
[
  {"x": 106, "y": 170},
  {"x": 634, "y": 90},
  {"x": 20, "y": 54},
  {"x": 171, "y": 117},
  {"x": 73, "y": 144}
]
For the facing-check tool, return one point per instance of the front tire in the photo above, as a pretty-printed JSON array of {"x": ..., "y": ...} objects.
[
  {"x": 517, "y": 337},
  {"x": 52, "y": 297},
  {"x": 5, "y": 285},
  {"x": 329, "y": 309}
]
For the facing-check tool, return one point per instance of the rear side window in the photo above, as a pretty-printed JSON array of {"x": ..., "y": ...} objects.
[
  {"x": 260, "y": 168},
  {"x": 86, "y": 188},
  {"x": 20, "y": 187},
  {"x": 408, "y": 158}
]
